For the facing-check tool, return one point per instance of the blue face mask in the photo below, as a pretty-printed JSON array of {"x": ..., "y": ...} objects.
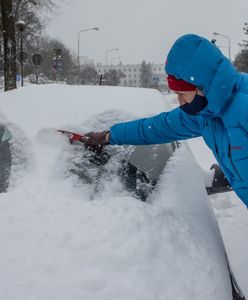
[{"x": 194, "y": 107}]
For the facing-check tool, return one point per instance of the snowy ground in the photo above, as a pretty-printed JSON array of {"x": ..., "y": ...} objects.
[{"x": 62, "y": 239}]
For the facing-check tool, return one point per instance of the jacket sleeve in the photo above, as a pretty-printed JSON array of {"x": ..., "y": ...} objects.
[{"x": 163, "y": 128}]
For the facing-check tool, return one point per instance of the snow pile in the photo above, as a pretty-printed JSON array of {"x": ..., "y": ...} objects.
[{"x": 62, "y": 239}]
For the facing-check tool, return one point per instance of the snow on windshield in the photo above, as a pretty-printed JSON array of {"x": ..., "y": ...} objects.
[{"x": 63, "y": 237}]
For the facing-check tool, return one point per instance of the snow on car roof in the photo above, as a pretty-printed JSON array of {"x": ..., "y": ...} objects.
[{"x": 55, "y": 105}]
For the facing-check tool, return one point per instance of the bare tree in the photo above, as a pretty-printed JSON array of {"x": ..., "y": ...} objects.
[
  {"x": 146, "y": 75},
  {"x": 241, "y": 59},
  {"x": 244, "y": 43},
  {"x": 89, "y": 75},
  {"x": 67, "y": 68},
  {"x": 113, "y": 77},
  {"x": 8, "y": 30},
  {"x": 32, "y": 13}
]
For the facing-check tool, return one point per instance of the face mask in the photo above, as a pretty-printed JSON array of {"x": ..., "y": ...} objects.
[{"x": 194, "y": 107}]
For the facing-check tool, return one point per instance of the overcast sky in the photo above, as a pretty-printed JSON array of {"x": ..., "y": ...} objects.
[{"x": 145, "y": 29}]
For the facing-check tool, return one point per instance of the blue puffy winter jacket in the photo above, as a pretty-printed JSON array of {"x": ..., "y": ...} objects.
[{"x": 223, "y": 123}]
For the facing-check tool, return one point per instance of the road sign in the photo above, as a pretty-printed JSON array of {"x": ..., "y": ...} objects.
[
  {"x": 22, "y": 57},
  {"x": 37, "y": 59}
]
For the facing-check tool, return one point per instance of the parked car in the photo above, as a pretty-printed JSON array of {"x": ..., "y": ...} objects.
[{"x": 72, "y": 220}]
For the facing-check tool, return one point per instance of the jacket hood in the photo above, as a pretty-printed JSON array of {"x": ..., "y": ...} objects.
[{"x": 196, "y": 60}]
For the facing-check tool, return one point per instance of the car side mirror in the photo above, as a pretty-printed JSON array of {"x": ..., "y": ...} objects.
[
  {"x": 5, "y": 135},
  {"x": 219, "y": 183}
]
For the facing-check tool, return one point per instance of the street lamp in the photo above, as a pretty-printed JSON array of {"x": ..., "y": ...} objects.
[
  {"x": 114, "y": 58},
  {"x": 20, "y": 25},
  {"x": 78, "y": 59},
  {"x": 229, "y": 42},
  {"x": 106, "y": 54}
]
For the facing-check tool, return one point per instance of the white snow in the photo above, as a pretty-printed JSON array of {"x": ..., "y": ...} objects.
[
  {"x": 62, "y": 238},
  {"x": 60, "y": 104}
]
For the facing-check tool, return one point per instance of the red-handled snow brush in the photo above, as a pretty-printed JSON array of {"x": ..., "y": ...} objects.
[
  {"x": 73, "y": 137},
  {"x": 99, "y": 157}
]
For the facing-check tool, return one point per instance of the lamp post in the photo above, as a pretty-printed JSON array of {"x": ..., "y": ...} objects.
[
  {"x": 20, "y": 25},
  {"x": 106, "y": 55},
  {"x": 229, "y": 42},
  {"x": 78, "y": 58}
]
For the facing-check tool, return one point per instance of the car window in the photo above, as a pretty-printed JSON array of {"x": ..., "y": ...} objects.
[
  {"x": 138, "y": 167},
  {"x": 141, "y": 172},
  {"x": 5, "y": 158}
]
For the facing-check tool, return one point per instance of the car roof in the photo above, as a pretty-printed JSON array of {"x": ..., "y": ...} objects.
[{"x": 35, "y": 107}]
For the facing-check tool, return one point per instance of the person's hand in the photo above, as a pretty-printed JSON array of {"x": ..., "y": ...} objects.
[{"x": 95, "y": 141}]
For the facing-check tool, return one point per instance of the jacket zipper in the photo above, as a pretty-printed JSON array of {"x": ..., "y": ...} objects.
[{"x": 232, "y": 163}]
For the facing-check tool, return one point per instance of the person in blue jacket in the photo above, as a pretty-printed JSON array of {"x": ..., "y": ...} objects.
[{"x": 213, "y": 99}]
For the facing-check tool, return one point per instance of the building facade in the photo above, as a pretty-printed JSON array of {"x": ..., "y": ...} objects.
[{"x": 132, "y": 73}]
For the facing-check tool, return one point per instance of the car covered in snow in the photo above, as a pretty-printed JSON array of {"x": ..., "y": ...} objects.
[{"x": 72, "y": 223}]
